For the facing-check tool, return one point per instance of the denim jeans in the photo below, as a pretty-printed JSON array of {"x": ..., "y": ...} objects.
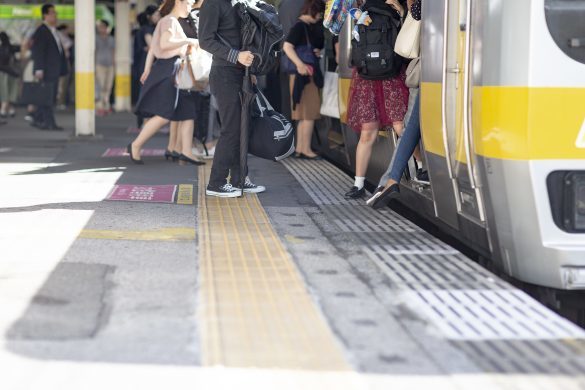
[{"x": 406, "y": 145}]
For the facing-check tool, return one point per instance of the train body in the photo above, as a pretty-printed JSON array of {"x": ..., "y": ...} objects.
[{"x": 503, "y": 129}]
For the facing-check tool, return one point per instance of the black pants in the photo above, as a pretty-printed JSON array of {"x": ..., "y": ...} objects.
[
  {"x": 44, "y": 115},
  {"x": 285, "y": 95},
  {"x": 226, "y": 83}
]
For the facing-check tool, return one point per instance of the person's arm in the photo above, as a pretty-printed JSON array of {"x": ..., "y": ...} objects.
[
  {"x": 147, "y": 40},
  {"x": 169, "y": 39},
  {"x": 113, "y": 45},
  {"x": 318, "y": 38},
  {"x": 291, "y": 53},
  {"x": 208, "y": 39},
  {"x": 397, "y": 6},
  {"x": 147, "y": 66}
]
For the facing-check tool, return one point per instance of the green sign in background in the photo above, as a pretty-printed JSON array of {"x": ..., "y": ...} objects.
[{"x": 65, "y": 12}]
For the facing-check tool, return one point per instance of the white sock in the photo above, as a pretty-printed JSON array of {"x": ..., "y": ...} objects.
[
  {"x": 359, "y": 182},
  {"x": 421, "y": 164}
]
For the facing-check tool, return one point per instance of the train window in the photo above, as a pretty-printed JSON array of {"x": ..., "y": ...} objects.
[
  {"x": 566, "y": 190},
  {"x": 566, "y": 23}
]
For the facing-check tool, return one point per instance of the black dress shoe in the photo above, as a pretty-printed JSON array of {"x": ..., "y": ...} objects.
[
  {"x": 355, "y": 193},
  {"x": 55, "y": 127},
  {"x": 135, "y": 161},
  {"x": 386, "y": 196},
  {"x": 182, "y": 157}
]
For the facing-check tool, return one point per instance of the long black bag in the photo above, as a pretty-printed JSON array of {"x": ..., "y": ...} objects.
[
  {"x": 38, "y": 93},
  {"x": 271, "y": 134}
]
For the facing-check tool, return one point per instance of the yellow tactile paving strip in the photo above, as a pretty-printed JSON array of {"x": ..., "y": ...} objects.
[{"x": 254, "y": 308}]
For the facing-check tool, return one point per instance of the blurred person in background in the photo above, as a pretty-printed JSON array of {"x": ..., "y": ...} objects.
[
  {"x": 104, "y": 66},
  {"x": 27, "y": 66},
  {"x": 9, "y": 74},
  {"x": 49, "y": 63},
  {"x": 142, "y": 43},
  {"x": 62, "y": 91}
]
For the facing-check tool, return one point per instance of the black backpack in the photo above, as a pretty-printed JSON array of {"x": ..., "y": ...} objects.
[
  {"x": 373, "y": 54},
  {"x": 272, "y": 136},
  {"x": 261, "y": 34}
]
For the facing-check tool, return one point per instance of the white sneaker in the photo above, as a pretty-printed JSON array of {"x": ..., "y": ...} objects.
[
  {"x": 224, "y": 191},
  {"x": 251, "y": 188},
  {"x": 201, "y": 153}
]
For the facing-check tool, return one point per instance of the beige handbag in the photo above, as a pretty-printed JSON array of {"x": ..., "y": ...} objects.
[
  {"x": 184, "y": 78},
  {"x": 408, "y": 41},
  {"x": 413, "y": 73}
]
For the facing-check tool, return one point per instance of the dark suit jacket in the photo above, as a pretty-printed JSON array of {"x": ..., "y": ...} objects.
[{"x": 46, "y": 54}]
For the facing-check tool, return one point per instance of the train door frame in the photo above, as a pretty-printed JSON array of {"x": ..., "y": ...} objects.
[{"x": 452, "y": 166}]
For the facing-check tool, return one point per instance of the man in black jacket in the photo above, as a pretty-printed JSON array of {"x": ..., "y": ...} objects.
[
  {"x": 50, "y": 63},
  {"x": 219, "y": 34}
]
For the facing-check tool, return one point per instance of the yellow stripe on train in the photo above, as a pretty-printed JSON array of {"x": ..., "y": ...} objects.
[{"x": 515, "y": 123}]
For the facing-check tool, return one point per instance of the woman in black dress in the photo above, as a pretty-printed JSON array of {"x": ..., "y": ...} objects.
[{"x": 159, "y": 97}]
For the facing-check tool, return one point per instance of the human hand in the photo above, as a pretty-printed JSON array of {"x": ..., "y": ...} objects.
[
  {"x": 246, "y": 58},
  {"x": 317, "y": 52},
  {"x": 39, "y": 75},
  {"x": 144, "y": 76},
  {"x": 193, "y": 42},
  {"x": 303, "y": 69},
  {"x": 396, "y": 5},
  {"x": 254, "y": 79}
]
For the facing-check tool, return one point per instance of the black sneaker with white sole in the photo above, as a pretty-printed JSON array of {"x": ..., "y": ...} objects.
[
  {"x": 251, "y": 188},
  {"x": 422, "y": 176},
  {"x": 223, "y": 191}
]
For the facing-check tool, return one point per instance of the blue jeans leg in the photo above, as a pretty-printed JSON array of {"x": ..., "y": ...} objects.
[{"x": 406, "y": 145}]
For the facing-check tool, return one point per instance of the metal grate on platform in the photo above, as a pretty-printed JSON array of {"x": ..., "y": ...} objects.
[{"x": 478, "y": 312}]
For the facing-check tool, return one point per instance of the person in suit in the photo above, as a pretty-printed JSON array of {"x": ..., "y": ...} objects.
[{"x": 50, "y": 63}]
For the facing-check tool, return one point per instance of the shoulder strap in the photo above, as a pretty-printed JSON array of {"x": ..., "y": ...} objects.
[{"x": 307, "y": 34}]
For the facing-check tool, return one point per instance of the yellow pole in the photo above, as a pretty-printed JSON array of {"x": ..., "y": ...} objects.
[
  {"x": 84, "y": 67},
  {"x": 123, "y": 60}
]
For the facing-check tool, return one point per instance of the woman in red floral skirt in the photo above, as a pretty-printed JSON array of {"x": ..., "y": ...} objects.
[{"x": 373, "y": 105}]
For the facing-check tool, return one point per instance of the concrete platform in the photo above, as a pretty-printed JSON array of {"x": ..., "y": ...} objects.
[{"x": 296, "y": 288}]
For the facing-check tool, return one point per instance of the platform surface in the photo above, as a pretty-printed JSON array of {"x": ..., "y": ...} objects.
[{"x": 295, "y": 288}]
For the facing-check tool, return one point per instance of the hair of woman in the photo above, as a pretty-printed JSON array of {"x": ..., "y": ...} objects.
[
  {"x": 166, "y": 7},
  {"x": 313, "y": 7}
]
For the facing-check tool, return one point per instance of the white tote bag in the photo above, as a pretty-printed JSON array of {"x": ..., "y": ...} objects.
[
  {"x": 408, "y": 41},
  {"x": 184, "y": 78},
  {"x": 201, "y": 64},
  {"x": 330, "y": 104}
]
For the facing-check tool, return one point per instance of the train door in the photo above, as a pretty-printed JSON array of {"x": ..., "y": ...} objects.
[{"x": 446, "y": 111}]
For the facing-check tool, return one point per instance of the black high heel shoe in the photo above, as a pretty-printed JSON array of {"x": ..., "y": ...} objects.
[
  {"x": 175, "y": 156},
  {"x": 168, "y": 154},
  {"x": 135, "y": 161},
  {"x": 182, "y": 157}
]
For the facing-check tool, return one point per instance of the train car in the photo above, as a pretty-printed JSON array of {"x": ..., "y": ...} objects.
[{"x": 503, "y": 129}]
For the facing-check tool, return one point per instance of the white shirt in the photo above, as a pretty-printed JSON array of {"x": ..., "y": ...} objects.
[{"x": 56, "y": 36}]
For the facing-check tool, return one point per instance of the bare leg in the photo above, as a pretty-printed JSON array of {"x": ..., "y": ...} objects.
[
  {"x": 150, "y": 128},
  {"x": 389, "y": 183},
  {"x": 4, "y": 108},
  {"x": 186, "y": 134},
  {"x": 364, "y": 148},
  {"x": 306, "y": 130},
  {"x": 300, "y": 136},
  {"x": 173, "y": 136}
]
